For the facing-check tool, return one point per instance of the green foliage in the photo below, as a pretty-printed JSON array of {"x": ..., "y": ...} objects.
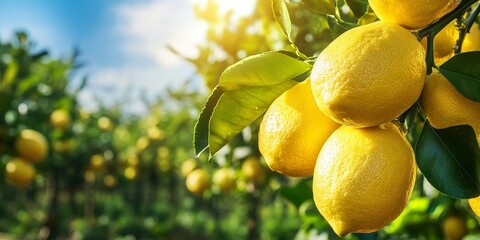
[{"x": 463, "y": 71}]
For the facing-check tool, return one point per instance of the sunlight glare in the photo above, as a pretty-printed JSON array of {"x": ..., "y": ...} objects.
[{"x": 239, "y": 8}]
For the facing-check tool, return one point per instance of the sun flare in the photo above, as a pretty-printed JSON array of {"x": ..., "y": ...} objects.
[{"x": 238, "y": 8}]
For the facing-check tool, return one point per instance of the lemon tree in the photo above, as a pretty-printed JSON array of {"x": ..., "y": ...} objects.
[{"x": 373, "y": 71}]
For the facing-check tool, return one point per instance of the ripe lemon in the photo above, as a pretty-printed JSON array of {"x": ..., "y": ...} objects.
[
  {"x": 369, "y": 75},
  {"x": 445, "y": 107},
  {"x": 475, "y": 205},
  {"x": 130, "y": 173},
  {"x": 105, "y": 124},
  {"x": 188, "y": 166},
  {"x": 472, "y": 39},
  {"x": 31, "y": 145},
  {"x": 19, "y": 172},
  {"x": 454, "y": 227},
  {"x": 252, "y": 170},
  {"x": 224, "y": 179},
  {"x": 363, "y": 178},
  {"x": 444, "y": 43},
  {"x": 60, "y": 119},
  {"x": 412, "y": 14},
  {"x": 198, "y": 181},
  {"x": 293, "y": 131}
]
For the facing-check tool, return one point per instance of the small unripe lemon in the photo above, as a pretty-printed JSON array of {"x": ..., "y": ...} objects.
[
  {"x": 224, "y": 179},
  {"x": 31, "y": 145},
  {"x": 19, "y": 172},
  {"x": 60, "y": 119},
  {"x": 198, "y": 181}
]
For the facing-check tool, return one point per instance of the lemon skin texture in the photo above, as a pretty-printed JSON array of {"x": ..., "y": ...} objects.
[{"x": 293, "y": 131}]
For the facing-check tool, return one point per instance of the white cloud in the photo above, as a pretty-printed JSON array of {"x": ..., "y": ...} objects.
[{"x": 149, "y": 27}]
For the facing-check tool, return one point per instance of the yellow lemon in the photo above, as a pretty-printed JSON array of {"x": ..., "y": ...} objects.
[
  {"x": 97, "y": 162},
  {"x": 188, "y": 166},
  {"x": 369, "y": 75},
  {"x": 19, "y": 172},
  {"x": 31, "y": 145},
  {"x": 105, "y": 124},
  {"x": 444, "y": 43},
  {"x": 445, "y": 107},
  {"x": 130, "y": 173},
  {"x": 472, "y": 39},
  {"x": 293, "y": 131},
  {"x": 198, "y": 181},
  {"x": 155, "y": 134},
  {"x": 454, "y": 227},
  {"x": 252, "y": 170},
  {"x": 475, "y": 205},
  {"x": 412, "y": 14},
  {"x": 60, "y": 119},
  {"x": 224, "y": 179},
  {"x": 142, "y": 144},
  {"x": 363, "y": 178}
]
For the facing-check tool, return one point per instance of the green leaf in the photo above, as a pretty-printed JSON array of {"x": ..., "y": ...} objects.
[
  {"x": 338, "y": 27},
  {"x": 321, "y": 6},
  {"x": 280, "y": 12},
  {"x": 265, "y": 69},
  {"x": 463, "y": 71},
  {"x": 358, "y": 7},
  {"x": 239, "y": 108},
  {"x": 297, "y": 193},
  {"x": 449, "y": 159},
  {"x": 200, "y": 139}
]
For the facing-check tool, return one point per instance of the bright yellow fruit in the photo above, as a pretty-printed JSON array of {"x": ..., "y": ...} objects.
[
  {"x": 252, "y": 170},
  {"x": 198, "y": 181},
  {"x": 155, "y": 134},
  {"x": 224, "y": 179},
  {"x": 130, "y": 173},
  {"x": 475, "y": 205},
  {"x": 19, "y": 172},
  {"x": 363, "y": 178},
  {"x": 60, "y": 119},
  {"x": 142, "y": 144},
  {"x": 412, "y": 14},
  {"x": 369, "y": 75},
  {"x": 454, "y": 227},
  {"x": 188, "y": 166},
  {"x": 472, "y": 39},
  {"x": 293, "y": 131},
  {"x": 444, "y": 43},
  {"x": 31, "y": 145},
  {"x": 445, "y": 107}
]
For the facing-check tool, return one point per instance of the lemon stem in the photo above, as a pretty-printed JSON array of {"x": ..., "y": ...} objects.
[
  {"x": 436, "y": 27},
  {"x": 468, "y": 25}
]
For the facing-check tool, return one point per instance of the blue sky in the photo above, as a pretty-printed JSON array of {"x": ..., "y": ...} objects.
[{"x": 123, "y": 42}]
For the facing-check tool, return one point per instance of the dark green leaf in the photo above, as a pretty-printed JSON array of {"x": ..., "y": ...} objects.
[
  {"x": 280, "y": 12},
  {"x": 463, "y": 71},
  {"x": 321, "y": 6},
  {"x": 337, "y": 27},
  {"x": 200, "y": 139},
  {"x": 449, "y": 159},
  {"x": 358, "y": 7},
  {"x": 414, "y": 122},
  {"x": 265, "y": 69},
  {"x": 239, "y": 108},
  {"x": 297, "y": 193}
]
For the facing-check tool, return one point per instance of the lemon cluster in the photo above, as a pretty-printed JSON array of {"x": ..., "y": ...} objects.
[{"x": 338, "y": 125}]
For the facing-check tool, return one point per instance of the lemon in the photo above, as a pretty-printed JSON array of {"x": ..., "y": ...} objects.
[
  {"x": 454, "y": 227},
  {"x": 105, "y": 124},
  {"x": 19, "y": 172},
  {"x": 252, "y": 170},
  {"x": 472, "y": 39},
  {"x": 475, "y": 205},
  {"x": 412, "y": 14},
  {"x": 293, "y": 131},
  {"x": 142, "y": 144},
  {"x": 60, "y": 119},
  {"x": 363, "y": 178},
  {"x": 188, "y": 166},
  {"x": 369, "y": 75},
  {"x": 445, "y": 107},
  {"x": 110, "y": 181},
  {"x": 31, "y": 145},
  {"x": 198, "y": 181},
  {"x": 224, "y": 179},
  {"x": 444, "y": 43},
  {"x": 130, "y": 173}
]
